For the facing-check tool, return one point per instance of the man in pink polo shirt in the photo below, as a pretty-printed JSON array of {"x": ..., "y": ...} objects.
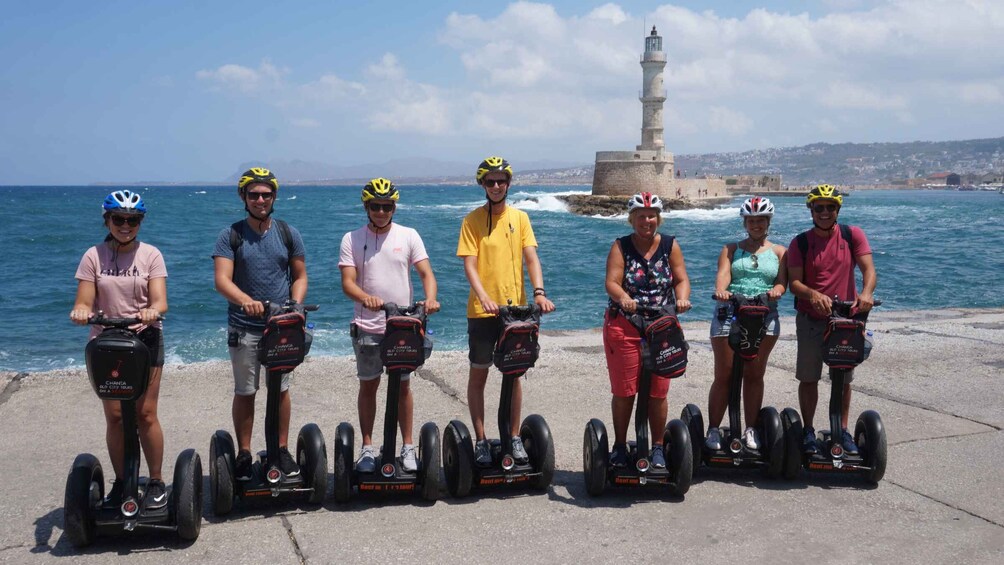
[
  {"x": 823, "y": 271},
  {"x": 375, "y": 261}
]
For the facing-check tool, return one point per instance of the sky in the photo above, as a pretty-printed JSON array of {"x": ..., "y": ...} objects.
[{"x": 122, "y": 91}]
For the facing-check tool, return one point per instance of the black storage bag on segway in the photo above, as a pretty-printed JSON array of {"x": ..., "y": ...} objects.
[
  {"x": 517, "y": 348},
  {"x": 403, "y": 344},
  {"x": 118, "y": 364},
  {"x": 283, "y": 344},
  {"x": 667, "y": 348},
  {"x": 748, "y": 328},
  {"x": 844, "y": 343}
]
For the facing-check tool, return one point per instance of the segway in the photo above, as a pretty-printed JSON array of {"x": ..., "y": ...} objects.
[
  {"x": 282, "y": 348},
  {"x": 845, "y": 346},
  {"x": 516, "y": 351},
  {"x": 749, "y": 325},
  {"x": 402, "y": 350},
  {"x": 663, "y": 352},
  {"x": 118, "y": 366}
]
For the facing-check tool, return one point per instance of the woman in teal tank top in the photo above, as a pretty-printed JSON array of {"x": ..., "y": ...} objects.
[{"x": 750, "y": 267}]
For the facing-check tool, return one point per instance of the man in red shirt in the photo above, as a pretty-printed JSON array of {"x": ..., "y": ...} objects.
[{"x": 824, "y": 270}]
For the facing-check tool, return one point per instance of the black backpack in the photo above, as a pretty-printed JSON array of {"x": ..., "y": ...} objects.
[
  {"x": 664, "y": 348},
  {"x": 802, "y": 240},
  {"x": 517, "y": 348}
]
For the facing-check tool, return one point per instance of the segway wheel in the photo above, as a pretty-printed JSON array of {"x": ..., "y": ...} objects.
[
  {"x": 536, "y": 436},
  {"x": 186, "y": 494},
  {"x": 772, "y": 433},
  {"x": 692, "y": 417},
  {"x": 458, "y": 459},
  {"x": 85, "y": 489},
  {"x": 791, "y": 426},
  {"x": 680, "y": 454},
  {"x": 344, "y": 438},
  {"x": 312, "y": 457},
  {"x": 429, "y": 461},
  {"x": 595, "y": 457},
  {"x": 869, "y": 434},
  {"x": 221, "y": 472}
]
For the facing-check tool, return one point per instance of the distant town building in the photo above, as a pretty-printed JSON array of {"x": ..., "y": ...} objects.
[{"x": 650, "y": 166}]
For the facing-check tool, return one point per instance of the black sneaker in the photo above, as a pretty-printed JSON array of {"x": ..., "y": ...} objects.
[
  {"x": 155, "y": 495},
  {"x": 286, "y": 463},
  {"x": 658, "y": 457},
  {"x": 243, "y": 466},
  {"x": 850, "y": 448},
  {"x": 809, "y": 443},
  {"x": 114, "y": 495},
  {"x": 619, "y": 456}
]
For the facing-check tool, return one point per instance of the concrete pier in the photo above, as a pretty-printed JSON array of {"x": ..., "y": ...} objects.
[{"x": 934, "y": 377}]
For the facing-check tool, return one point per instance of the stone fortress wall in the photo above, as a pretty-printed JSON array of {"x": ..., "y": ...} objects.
[{"x": 623, "y": 173}]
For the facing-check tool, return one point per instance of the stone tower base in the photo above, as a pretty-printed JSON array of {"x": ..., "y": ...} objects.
[{"x": 623, "y": 173}]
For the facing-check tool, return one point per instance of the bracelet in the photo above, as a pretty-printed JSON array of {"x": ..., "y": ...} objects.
[{"x": 539, "y": 292}]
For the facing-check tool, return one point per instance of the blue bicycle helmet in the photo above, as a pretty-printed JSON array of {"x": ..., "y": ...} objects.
[{"x": 124, "y": 201}]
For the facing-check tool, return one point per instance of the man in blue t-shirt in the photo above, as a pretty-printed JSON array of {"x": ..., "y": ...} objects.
[{"x": 265, "y": 266}]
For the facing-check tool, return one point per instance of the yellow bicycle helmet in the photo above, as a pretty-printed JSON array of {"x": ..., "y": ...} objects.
[
  {"x": 257, "y": 174},
  {"x": 380, "y": 188},
  {"x": 824, "y": 192},
  {"x": 493, "y": 164}
]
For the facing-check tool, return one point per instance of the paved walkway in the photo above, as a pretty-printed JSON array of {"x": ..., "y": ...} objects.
[{"x": 933, "y": 376}]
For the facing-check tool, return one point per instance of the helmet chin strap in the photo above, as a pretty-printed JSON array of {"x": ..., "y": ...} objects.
[{"x": 374, "y": 224}]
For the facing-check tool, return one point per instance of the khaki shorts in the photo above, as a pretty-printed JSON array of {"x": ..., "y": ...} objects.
[
  {"x": 244, "y": 360},
  {"x": 369, "y": 366},
  {"x": 809, "y": 362}
]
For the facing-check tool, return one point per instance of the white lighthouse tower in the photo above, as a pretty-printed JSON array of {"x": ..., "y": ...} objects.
[{"x": 653, "y": 61}]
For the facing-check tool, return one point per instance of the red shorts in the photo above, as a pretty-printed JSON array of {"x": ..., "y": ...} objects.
[{"x": 622, "y": 345}]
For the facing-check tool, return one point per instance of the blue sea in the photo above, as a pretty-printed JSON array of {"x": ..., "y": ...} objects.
[{"x": 933, "y": 249}]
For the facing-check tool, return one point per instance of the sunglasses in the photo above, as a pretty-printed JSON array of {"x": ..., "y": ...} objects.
[
  {"x": 755, "y": 261},
  {"x": 375, "y": 207},
  {"x": 266, "y": 196},
  {"x": 820, "y": 208},
  {"x": 133, "y": 221},
  {"x": 495, "y": 182}
]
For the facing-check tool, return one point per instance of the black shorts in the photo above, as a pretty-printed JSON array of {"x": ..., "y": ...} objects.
[
  {"x": 482, "y": 333},
  {"x": 153, "y": 338}
]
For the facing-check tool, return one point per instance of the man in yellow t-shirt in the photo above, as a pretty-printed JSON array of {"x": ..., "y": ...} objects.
[{"x": 496, "y": 241}]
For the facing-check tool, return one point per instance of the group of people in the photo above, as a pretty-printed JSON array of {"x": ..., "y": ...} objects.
[
  {"x": 646, "y": 268},
  {"x": 261, "y": 259}
]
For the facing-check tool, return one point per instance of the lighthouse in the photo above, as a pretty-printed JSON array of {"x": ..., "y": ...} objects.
[
  {"x": 653, "y": 96},
  {"x": 650, "y": 167}
]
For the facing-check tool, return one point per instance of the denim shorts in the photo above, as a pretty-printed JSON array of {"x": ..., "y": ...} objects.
[
  {"x": 244, "y": 359},
  {"x": 721, "y": 328},
  {"x": 369, "y": 366}
]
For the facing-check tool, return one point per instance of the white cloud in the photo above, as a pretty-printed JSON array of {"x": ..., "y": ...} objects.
[
  {"x": 980, "y": 93},
  {"x": 243, "y": 79},
  {"x": 856, "y": 96},
  {"x": 729, "y": 121}
]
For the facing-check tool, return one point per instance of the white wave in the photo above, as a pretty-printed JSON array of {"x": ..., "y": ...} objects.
[
  {"x": 715, "y": 215},
  {"x": 541, "y": 202},
  {"x": 620, "y": 217},
  {"x": 292, "y": 197},
  {"x": 199, "y": 192}
]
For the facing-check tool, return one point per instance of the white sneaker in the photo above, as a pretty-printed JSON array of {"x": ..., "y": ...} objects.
[
  {"x": 714, "y": 441},
  {"x": 367, "y": 460},
  {"x": 750, "y": 439},
  {"x": 408, "y": 458}
]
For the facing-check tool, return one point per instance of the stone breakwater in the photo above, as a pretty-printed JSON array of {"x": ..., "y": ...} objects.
[{"x": 599, "y": 205}]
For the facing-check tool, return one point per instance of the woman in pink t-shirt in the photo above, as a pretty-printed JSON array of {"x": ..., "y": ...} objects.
[{"x": 124, "y": 278}]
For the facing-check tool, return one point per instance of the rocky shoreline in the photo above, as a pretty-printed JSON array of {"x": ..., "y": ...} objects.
[{"x": 595, "y": 205}]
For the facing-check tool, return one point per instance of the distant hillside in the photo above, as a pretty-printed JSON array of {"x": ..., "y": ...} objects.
[
  {"x": 855, "y": 163},
  {"x": 842, "y": 163}
]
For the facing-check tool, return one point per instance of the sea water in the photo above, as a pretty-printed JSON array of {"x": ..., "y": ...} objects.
[{"x": 932, "y": 249}]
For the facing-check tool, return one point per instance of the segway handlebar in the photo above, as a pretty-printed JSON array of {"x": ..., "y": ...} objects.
[
  {"x": 289, "y": 306},
  {"x": 417, "y": 309},
  {"x": 520, "y": 311},
  {"x": 99, "y": 319},
  {"x": 842, "y": 308}
]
